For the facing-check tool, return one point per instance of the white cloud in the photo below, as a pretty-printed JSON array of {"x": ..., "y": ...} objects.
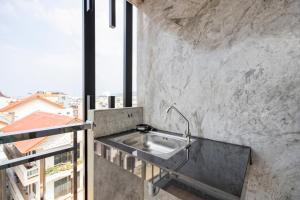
[
  {"x": 66, "y": 18},
  {"x": 7, "y": 8}
]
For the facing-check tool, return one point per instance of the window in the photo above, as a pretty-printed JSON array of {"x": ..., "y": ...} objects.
[
  {"x": 66, "y": 157},
  {"x": 63, "y": 158},
  {"x": 41, "y": 57},
  {"x": 34, "y": 188},
  {"x": 78, "y": 180},
  {"x": 109, "y": 55},
  {"x": 78, "y": 150},
  {"x": 62, "y": 187}
]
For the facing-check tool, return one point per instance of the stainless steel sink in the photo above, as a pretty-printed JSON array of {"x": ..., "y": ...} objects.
[{"x": 155, "y": 143}]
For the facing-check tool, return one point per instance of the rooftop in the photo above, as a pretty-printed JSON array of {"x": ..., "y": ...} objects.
[
  {"x": 28, "y": 99},
  {"x": 36, "y": 120}
]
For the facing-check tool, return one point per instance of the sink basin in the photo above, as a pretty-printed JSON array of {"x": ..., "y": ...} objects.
[{"x": 155, "y": 143}]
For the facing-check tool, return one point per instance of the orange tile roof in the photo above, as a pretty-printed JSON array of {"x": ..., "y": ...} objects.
[
  {"x": 33, "y": 121},
  {"x": 28, "y": 99},
  {"x": 2, "y": 122}
]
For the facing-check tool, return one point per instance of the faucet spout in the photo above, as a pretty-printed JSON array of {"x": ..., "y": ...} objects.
[
  {"x": 187, "y": 132},
  {"x": 169, "y": 108}
]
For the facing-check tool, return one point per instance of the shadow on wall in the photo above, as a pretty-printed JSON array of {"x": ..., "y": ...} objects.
[{"x": 211, "y": 24}]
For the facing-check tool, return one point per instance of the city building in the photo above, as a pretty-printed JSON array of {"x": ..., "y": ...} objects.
[
  {"x": 3, "y": 122},
  {"x": 50, "y": 177},
  {"x": 36, "y": 102},
  {"x": 57, "y": 97},
  {"x": 5, "y": 100}
]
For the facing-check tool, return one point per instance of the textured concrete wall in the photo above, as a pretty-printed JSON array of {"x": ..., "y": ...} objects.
[
  {"x": 2, "y": 184},
  {"x": 233, "y": 67},
  {"x": 110, "y": 181},
  {"x": 114, "y": 183},
  {"x": 111, "y": 121},
  {"x": 161, "y": 195}
]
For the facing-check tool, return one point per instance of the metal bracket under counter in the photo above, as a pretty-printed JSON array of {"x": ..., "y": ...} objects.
[{"x": 134, "y": 165}]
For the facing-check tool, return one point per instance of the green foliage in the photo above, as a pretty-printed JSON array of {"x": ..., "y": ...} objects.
[{"x": 61, "y": 167}]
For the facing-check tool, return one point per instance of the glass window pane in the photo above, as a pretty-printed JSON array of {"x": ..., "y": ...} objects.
[
  {"x": 62, "y": 187},
  {"x": 109, "y": 55},
  {"x": 41, "y": 67}
]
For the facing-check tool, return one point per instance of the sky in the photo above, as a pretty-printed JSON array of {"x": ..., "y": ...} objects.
[{"x": 41, "y": 47}]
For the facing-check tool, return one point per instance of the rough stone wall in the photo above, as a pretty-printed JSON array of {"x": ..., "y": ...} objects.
[
  {"x": 233, "y": 67},
  {"x": 2, "y": 184},
  {"x": 114, "y": 183}
]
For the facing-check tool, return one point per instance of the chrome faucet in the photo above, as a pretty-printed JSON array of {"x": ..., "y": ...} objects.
[{"x": 187, "y": 133}]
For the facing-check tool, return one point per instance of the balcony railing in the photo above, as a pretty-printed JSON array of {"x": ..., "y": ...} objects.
[
  {"x": 18, "y": 163},
  {"x": 16, "y": 192}
]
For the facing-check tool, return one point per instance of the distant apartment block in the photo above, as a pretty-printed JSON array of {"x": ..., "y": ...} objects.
[
  {"x": 102, "y": 101},
  {"x": 4, "y": 100},
  {"x": 37, "y": 102},
  {"x": 50, "y": 178}
]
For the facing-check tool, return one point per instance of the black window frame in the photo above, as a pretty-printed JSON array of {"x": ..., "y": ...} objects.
[
  {"x": 89, "y": 69},
  {"x": 62, "y": 158}
]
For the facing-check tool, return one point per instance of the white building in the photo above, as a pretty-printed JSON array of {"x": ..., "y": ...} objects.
[
  {"x": 4, "y": 100},
  {"x": 28, "y": 105},
  {"x": 50, "y": 177},
  {"x": 3, "y": 122}
]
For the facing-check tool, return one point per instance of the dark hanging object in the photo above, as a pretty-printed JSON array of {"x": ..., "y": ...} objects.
[
  {"x": 111, "y": 101},
  {"x": 112, "y": 13}
]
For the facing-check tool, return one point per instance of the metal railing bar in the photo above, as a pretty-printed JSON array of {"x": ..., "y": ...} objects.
[
  {"x": 75, "y": 165},
  {"x": 35, "y": 157},
  {"x": 37, "y": 133}
]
